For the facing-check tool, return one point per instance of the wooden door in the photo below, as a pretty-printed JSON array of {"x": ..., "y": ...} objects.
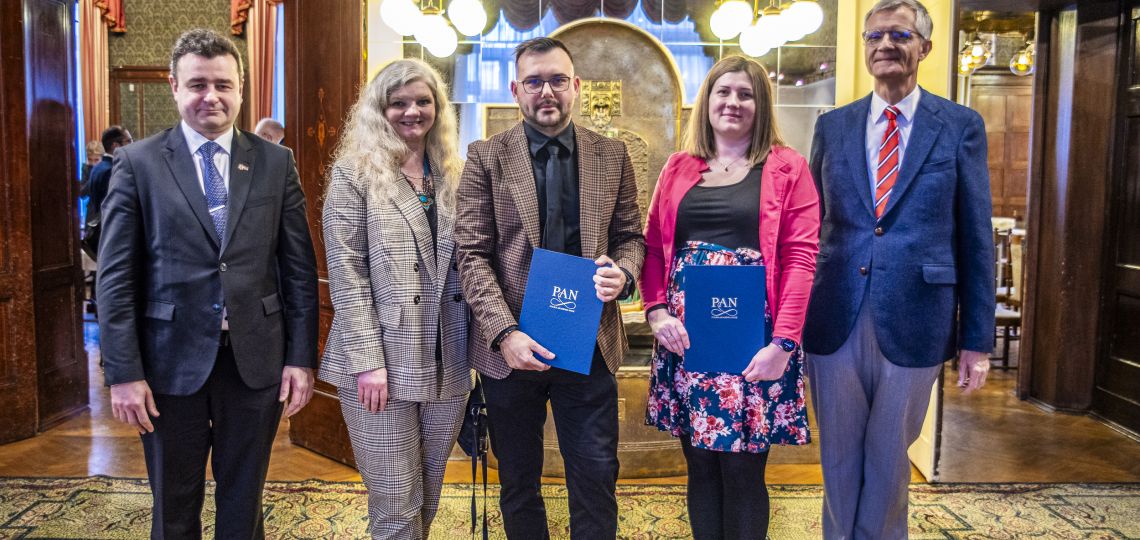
[
  {"x": 324, "y": 66},
  {"x": 1006, "y": 104},
  {"x": 58, "y": 280},
  {"x": 17, "y": 334},
  {"x": 1116, "y": 395}
]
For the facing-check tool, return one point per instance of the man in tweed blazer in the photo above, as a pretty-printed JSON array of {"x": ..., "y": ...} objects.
[{"x": 548, "y": 183}]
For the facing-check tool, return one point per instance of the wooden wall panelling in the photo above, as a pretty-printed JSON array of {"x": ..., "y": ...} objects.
[
  {"x": 58, "y": 279},
  {"x": 1073, "y": 134},
  {"x": 1116, "y": 396},
  {"x": 1005, "y": 102},
  {"x": 324, "y": 59},
  {"x": 17, "y": 334}
]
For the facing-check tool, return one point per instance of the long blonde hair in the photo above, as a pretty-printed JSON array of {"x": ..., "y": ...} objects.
[
  {"x": 699, "y": 140},
  {"x": 371, "y": 147}
]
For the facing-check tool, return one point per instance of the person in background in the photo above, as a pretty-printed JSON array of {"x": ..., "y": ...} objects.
[
  {"x": 736, "y": 195},
  {"x": 113, "y": 138},
  {"x": 906, "y": 272},
  {"x": 270, "y": 130},
  {"x": 94, "y": 154},
  {"x": 397, "y": 350}
]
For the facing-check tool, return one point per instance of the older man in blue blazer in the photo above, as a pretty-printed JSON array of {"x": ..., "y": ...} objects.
[{"x": 905, "y": 274}]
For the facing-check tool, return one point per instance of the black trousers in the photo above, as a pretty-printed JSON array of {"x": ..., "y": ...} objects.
[
  {"x": 728, "y": 499},
  {"x": 236, "y": 422},
  {"x": 585, "y": 415}
]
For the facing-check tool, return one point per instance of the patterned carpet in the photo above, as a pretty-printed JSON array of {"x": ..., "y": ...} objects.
[{"x": 101, "y": 507}]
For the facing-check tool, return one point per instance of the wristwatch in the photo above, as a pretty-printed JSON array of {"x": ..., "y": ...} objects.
[{"x": 784, "y": 343}]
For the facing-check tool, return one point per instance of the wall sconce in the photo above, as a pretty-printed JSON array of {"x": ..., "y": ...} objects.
[
  {"x": 428, "y": 26},
  {"x": 974, "y": 54},
  {"x": 1024, "y": 61},
  {"x": 762, "y": 30}
]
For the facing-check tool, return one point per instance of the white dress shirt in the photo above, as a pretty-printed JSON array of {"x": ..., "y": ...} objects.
[
  {"x": 194, "y": 141},
  {"x": 877, "y": 129}
]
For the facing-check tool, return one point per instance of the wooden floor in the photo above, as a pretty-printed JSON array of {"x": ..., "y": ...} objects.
[{"x": 991, "y": 437}]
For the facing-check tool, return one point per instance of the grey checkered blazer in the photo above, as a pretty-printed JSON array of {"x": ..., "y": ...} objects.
[
  {"x": 497, "y": 229},
  {"x": 389, "y": 288}
]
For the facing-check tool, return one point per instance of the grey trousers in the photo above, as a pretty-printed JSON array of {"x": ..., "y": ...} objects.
[
  {"x": 401, "y": 454},
  {"x": 869, "y": 412}
]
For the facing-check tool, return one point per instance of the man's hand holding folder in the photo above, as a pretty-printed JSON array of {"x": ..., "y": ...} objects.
[{"x": 519, "y": 349}]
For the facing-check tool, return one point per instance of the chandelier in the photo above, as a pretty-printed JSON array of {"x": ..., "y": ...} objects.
[
  {"x": 762, "y": 30},
  {"x": 426, "y": 23}
]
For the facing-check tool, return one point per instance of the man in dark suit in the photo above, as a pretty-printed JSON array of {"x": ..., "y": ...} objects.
[
  {"x": 905, "y": 274},
  {"x": 113, "y": 137},
  {"x": 208, "y": 295},
  {"x": 548, "y": 183}
]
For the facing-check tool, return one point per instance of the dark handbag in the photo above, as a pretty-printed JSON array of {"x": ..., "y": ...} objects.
[
  {"x": 474, "y": 440},
  {"x": 90, "y": 240}
]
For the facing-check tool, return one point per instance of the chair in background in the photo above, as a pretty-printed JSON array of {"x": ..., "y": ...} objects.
[{"x": 1007, "y": 315}]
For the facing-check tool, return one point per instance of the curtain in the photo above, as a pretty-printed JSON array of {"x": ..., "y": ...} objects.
[
  {"x": 239, "y": 14},
  {"x": 260, "y": 19},
  {"x": 93, "y": 23},
  {"x": 112, "y": 13}
]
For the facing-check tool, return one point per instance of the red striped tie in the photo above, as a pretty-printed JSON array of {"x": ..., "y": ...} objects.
[{"x": 888, "y": 169}]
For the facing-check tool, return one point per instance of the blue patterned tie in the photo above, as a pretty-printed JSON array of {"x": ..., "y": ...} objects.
[{"x": 216, "y": 195}]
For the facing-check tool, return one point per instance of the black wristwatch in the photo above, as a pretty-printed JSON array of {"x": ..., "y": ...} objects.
[{"x": 784, "y": 343}]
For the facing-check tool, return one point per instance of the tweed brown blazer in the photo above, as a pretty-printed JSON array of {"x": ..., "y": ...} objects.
[
  {"x": 393, "y": 291},
  {"x": 497, "y": 229}
]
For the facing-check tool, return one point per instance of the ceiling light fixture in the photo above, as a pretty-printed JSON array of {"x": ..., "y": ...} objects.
[{"x": 429, "y": 27}]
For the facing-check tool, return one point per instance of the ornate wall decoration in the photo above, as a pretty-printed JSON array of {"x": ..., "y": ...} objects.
[
  {"x": 600, "y": 102},
  {"x": 323, "y": 128}
]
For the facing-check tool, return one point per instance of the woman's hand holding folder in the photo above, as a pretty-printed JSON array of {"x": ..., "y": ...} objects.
[
  {"x": 768, "y": 364},
  {"x": 668, "y": 330}
]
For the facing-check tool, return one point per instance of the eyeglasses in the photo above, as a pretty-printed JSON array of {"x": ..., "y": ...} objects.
[
  {"x": 871, "y": 37},
  {"x": 533, "y": 85}
]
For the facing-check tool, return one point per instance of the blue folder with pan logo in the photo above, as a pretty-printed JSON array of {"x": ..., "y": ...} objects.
[
  {"x": 724, "y": 315},
  {"x": 560, "y": 309}
]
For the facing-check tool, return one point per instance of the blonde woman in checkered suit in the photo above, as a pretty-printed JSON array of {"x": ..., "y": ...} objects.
[{"x": 397, "y": 347}]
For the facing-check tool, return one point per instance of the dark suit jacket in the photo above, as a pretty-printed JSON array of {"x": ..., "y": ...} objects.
[
  {"x": 497, "y": 229},
  {"x": 98, "y": 180},
  {"x": 164, "y": 277},
  {"x": 929, "y": 259}
]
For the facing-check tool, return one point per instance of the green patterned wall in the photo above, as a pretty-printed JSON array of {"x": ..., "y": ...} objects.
[{"x": 153, "y": 25}]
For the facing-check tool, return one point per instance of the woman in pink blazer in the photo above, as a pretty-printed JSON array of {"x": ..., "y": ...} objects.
[{"x": 734, "y": 196}]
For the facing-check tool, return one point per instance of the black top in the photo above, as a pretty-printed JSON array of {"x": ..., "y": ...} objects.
[
  {"x": 725, "y": 215},
  {"x": 433, "y": 219},
  {"x": 567, "y": 160}
]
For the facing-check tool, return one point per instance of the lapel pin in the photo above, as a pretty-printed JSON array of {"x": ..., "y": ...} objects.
[{"x": 243, "y": 167}]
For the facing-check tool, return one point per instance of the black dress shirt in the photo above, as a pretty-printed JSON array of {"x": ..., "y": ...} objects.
[{"x": 567, "y": 161}]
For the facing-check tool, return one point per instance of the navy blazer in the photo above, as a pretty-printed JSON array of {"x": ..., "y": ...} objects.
[
  {"x": 927, "y": 266},
  {"x": 97, "y": 182},
  {"x": 164, "y": 275}
]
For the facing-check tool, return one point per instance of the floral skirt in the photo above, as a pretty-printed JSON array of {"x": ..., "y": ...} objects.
[{"x": 722, "y": 411}]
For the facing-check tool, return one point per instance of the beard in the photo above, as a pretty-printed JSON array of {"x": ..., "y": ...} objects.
[{"x": 538, "y": 117}]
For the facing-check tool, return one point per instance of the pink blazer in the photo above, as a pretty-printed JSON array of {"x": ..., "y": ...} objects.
[{"x": 789, "y": 232}]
